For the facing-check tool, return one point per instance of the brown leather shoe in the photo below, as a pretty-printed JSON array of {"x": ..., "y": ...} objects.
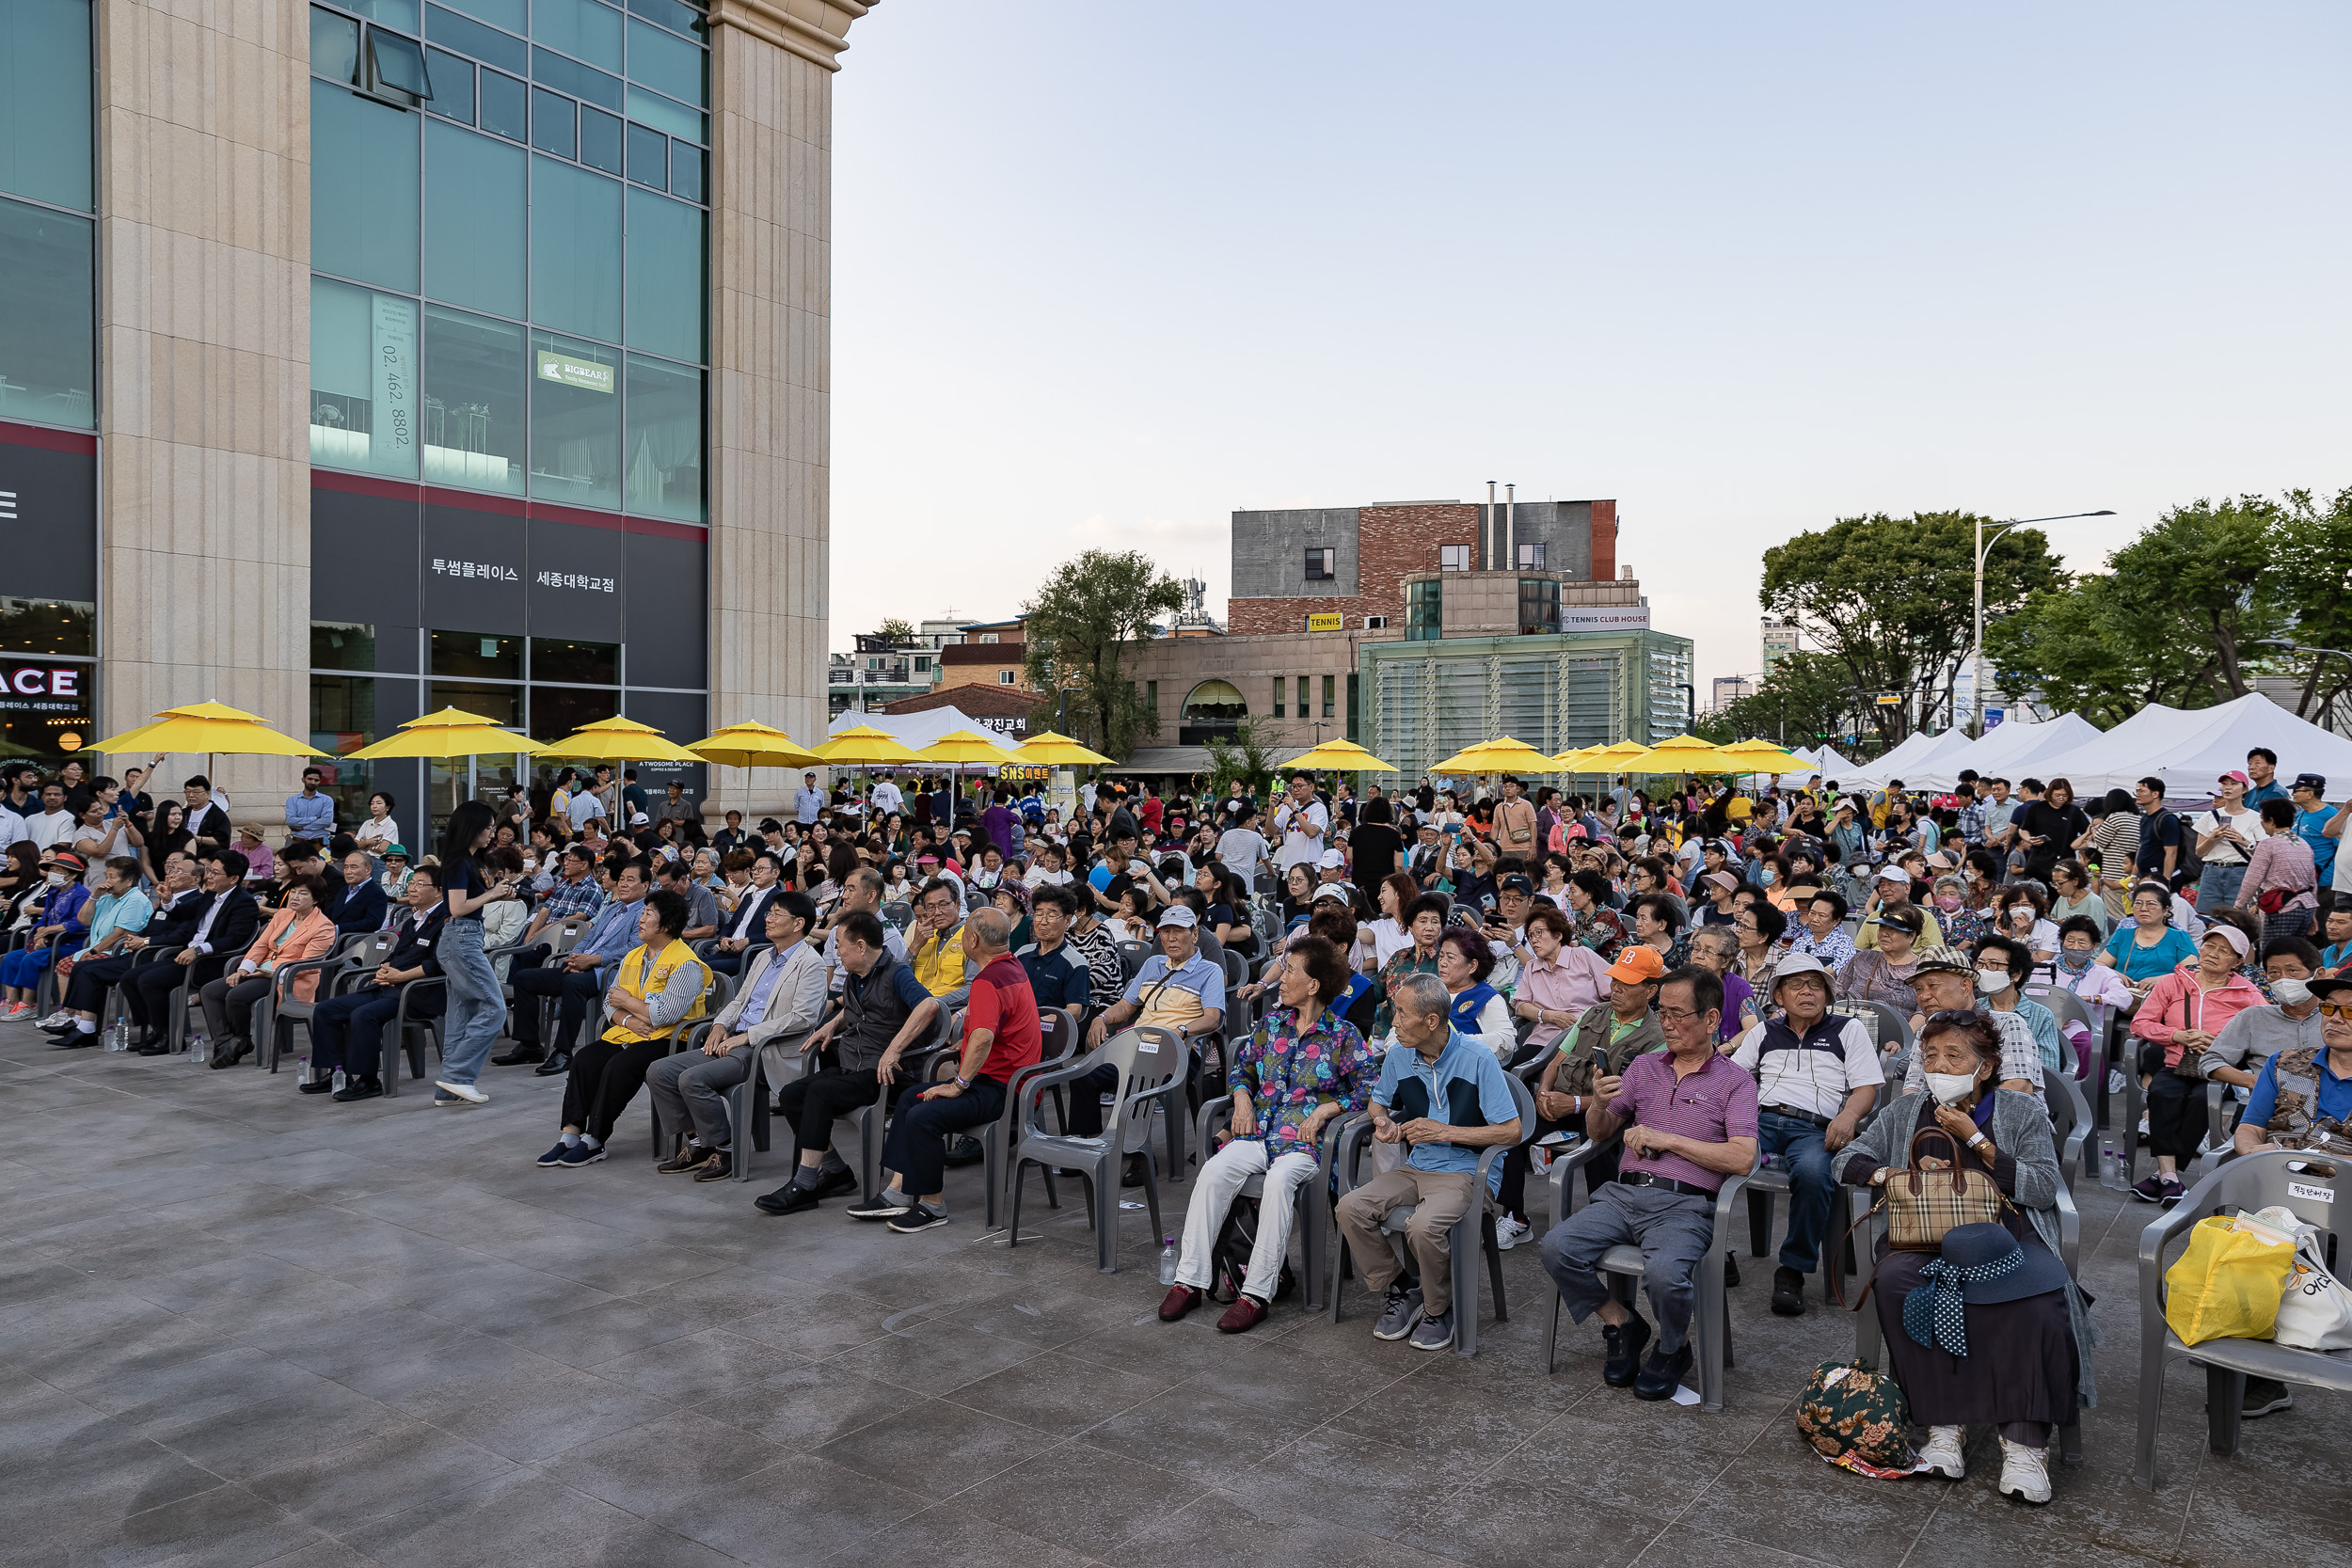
[
  {"x": 1245, "y": 1313},
  {"x": 1181, "y": 1299}
]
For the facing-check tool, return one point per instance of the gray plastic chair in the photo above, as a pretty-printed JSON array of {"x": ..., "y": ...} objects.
[
  {"x": 2069, "y": 1126},
  {"x": 2308, "y": 1184},
  {"x": 1473, "y": 1234},
  {"x": 1313, "y": 1229},
  {"x": 177, "y": 1013},
  {"x": 1151, "y": 1063},
  {"x": 275, "y": 1018},
  {"x": 1133, "y": 956},
  {"x": 1711, "y": 1314},
  {"x": 407, "y": 1036}
]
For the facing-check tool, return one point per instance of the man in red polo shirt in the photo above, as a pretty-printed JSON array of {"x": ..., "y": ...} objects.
[{"x": 1000, "y": 1037}]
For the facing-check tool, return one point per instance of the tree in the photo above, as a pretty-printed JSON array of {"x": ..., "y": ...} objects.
[
  {"x": 2310, "y": 584},
  {"x": 1803, "y": 700},
  {"x": 1246, "y": 757},
  {"x": 1077, "y": 627},
  {"x": 894, "y": 629},
  {"x": 1890, "y": 600},
  {"x": 2171, "y": 619}
]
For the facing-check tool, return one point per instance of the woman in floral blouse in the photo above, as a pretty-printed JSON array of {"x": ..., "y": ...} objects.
[
  {"x": 1596, "y": 925},
  {"x": 1303, "y": 1068}
]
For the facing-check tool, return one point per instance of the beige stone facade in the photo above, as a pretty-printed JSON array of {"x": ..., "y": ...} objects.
[{"x": 203, "y": 353}]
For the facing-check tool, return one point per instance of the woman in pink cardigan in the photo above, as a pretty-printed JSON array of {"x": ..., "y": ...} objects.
[
  {"x": 2183, "y": 1013},
  {"x": 298, "y": 932},
  {"x": 2282, "y": 864}
]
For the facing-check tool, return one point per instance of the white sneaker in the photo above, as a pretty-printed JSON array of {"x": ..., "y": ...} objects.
[
  {"x": 2115, "y": 1079},
  {"x": 464, "y": 1091},
  {"x": 2024, "y": 1472},
  {"x": 1510, "y": 1232},
  {"x": 1943, "y": 1456}
]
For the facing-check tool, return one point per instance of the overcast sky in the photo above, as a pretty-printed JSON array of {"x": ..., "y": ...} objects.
[{"x": 1105, "y": 272}]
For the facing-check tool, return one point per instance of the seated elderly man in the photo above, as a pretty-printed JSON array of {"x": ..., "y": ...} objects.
[
  {"x": 785, "y": 995},
  {"x": 1689, "y": 1120},
  {"x": 1302, "y": 1069},
  {"x": 357, "y": 902},
  {"x": 1945, "y": 981},
  {"x": 1176, "y": 989},
  {"x": 1001, "y": 1035},
  {"x": 1445, "y": 1095},
  {"x": 1816, "y": 1075},
  {"x": 884, "y": 1009}
]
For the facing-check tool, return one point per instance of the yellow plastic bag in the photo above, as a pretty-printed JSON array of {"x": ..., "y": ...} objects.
[{"x": 2227, "y": 1284}]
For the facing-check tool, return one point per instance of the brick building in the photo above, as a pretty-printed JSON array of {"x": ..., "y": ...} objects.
[{"x": 1353, "y": 560}]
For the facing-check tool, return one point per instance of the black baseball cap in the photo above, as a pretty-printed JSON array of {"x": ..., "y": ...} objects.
[
  {"x": 2315, "y": 782},
  {"x": 1516, "y": 883}
]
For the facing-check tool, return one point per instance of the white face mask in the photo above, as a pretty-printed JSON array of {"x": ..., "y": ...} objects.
[
  {"x": 58, "y": 879},
  {"x": 2294, "y": 993},
  {"x": 1993, "y": 981},
  {"x": 1951, "y": 1089}
]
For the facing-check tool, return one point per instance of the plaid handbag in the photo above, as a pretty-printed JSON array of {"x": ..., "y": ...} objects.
[{"x": 1921, "y": 1205}]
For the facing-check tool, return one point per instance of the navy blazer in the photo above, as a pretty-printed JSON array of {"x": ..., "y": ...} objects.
[{"x": 361, "y": 909}]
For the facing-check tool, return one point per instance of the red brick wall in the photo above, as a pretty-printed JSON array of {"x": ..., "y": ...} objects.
[
  {"x": 1392, "y": 541},
  {"x": 1604, "y": 541}
]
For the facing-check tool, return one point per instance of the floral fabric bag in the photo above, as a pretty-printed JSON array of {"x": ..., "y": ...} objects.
[{"x": 1856, "y": 1419}]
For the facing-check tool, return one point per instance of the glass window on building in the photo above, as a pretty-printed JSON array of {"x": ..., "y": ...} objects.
[
  {"x": 667, "y": 64},
  {"x": 575, "y": 422},
  {"x": 45, "y": 125},
  {"x": 475, "y": 203},
  {"x": 1531, "y": 555},
  {"x": 574, "y": 250},
  {"x": 574, "y": 663},
  {"x": 556, "y": 711},
  {"x": 580, "y": 28},
  {"x": 1213, "y": 707},
  {"x": 343, "y": 721},
  {"x": 1539, "y": 605},
  {"x": 472, "y": 654},
  {"x": 1282, "y": 689},
  {"x": 663, "y": 476},
  {"x": 363, "y": 380},
  {"x": 363, "y": 188},
  {"x": 1330, "y": 701},
  {"x": 473, "y": 401},
  {"x": 1424, "y": 611},
  {"x": 1453, "y": 558},
  {"x": 482, "y": 777},
  {"x": 342, "y": 645},
  {"x": 45, "y": 627},
  {"x": 665, "y": 275},
  {"x": 48, "y": 314}
]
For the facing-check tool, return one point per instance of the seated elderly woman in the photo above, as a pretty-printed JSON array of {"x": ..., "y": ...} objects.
[
  {"x": 1464, "y": 962},
  {"x": 1303, "y": 1068},
  {"x": 1991, "y": 1331}
]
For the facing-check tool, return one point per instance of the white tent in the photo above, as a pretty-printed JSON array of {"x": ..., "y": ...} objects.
[
  {"x": 1833, "y": 767},
  {"x": 918, "y": 730},
  {"x": 2189, "y": 750},
  {"x": 2010, "y": 750},
  {"x": 1908, "y": 760}
]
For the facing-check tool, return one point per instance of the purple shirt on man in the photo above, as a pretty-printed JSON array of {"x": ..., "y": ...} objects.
[{"x": 1713, "y": 1105}]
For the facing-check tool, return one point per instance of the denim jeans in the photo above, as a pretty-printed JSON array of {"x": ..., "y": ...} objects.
[
  {"x": 2218, "y": 888},
  {"x": 477, "y": 1005},
  {"x": 1804, "y": 1157}
]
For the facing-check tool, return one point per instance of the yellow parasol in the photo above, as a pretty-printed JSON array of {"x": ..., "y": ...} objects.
[
  {"x": 961, "y": 749},
  {"x": 864, "y": 744},
  {"x": 619, "y": 741},
  {"x": 1598, "y": 759},
  {"x": 1684, "y": 754},
  {"x": 752, "y": 744},
  {"x": 1505, "y": 755},
  {"x": 213, "y": 728},
  {"x": 1765, "y": 756},
  {"x": 451, "y": 732},
  {"x": 1057, "y": 751},
  {"x": 1339, "y": 756}
]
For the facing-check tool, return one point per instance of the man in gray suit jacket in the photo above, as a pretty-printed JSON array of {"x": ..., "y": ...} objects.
[{"x": 783, "y": 996}]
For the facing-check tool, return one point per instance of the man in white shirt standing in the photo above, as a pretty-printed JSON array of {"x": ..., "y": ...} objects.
[
  {"x": 583, "y": 808},
  {"x": 52, "y": 823},
  {"x": 1302, "y": 822},
  {"x": 808, "y": 802},
  {"x": 886, "y": 796}
]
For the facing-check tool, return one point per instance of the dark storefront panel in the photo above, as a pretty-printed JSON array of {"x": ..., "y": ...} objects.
[
  {"x": 575, "y": 586},
  {"x": 49, "y": 496},
  {"x": 473, "y": 570},
  {"x": 362, "y": 552},
  {"x": 664, "y": 605}
]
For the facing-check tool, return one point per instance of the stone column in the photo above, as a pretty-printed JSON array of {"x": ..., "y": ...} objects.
[
  {"x": 771, "y": 64},
  {"x": 203, "y": 353}
]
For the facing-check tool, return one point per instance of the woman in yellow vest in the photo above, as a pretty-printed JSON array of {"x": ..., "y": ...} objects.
[{"x": 661, "y": 989}]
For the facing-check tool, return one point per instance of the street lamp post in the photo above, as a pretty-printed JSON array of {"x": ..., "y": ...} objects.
[{"x": 1975, "y": 651}]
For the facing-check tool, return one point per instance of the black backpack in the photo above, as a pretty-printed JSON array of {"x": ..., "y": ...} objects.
[{"x": 1229, "y": 1260}]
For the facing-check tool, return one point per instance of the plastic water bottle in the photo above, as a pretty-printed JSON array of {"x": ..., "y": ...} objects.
[
  {"x": 1167, "y": 1259},
  {"x": 114, "y": 1039},
  {"x": 200, "y": 1049}
]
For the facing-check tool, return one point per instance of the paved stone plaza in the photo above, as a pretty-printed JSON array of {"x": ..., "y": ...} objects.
[{"x": 240, "y": 1327}]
